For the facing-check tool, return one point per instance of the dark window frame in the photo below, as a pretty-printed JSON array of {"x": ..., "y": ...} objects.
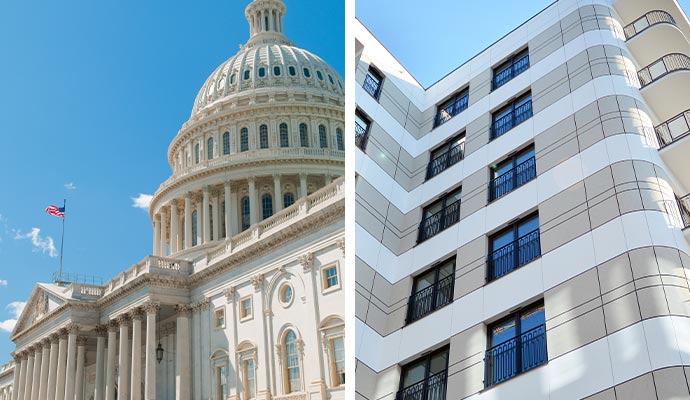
[
  {"x": 453, "y": 154},
  {"x": 511, "y": 115},
  {"x": 512, "y": 251},
  {"x": 510, "y": 68},
  {"x": 448, "y": 215},
  {"x": 423, "y": 302},
  {"x": 420, "y": 390},
  {"x": 373, "y": 82},
  {"x": 452, "y": 106},
  {"x": 517, "y": 176},
  {"x": 362, "y": 132}
]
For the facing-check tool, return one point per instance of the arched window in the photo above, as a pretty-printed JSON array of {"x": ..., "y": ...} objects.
[
  {"x": 307, "y": 73},
  {"x": 209, "y": 149},
  {"x": 245, "y": 213},
  {"x": 262, "y": 72},
  {"x": 276, "y": 71},
  {"x": 323, "y": 138},
  {"x": 303, "y": 135},
  {"x": 292, "y": 71},
  {"x": 339, "y": 138},
  {"x": 226, "y": 143},
  {"x": 195, "y": 229},
  {"x": 246, "y": 75},
  {"x": 330, "y": 79},
  {"x": 266, "y": 205},
  {"x": 319, "y": 75},
  {"x": 288, "y": 199},
  {"x": 284, "y": 136},
  {"x": 263, "y": 136},
  {"x": 244, "y": 139},
  {"x": 197, "y": 154},
  {"x": 292, "y": 372}
]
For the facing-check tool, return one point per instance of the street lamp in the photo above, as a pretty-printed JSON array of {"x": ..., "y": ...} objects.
[{"x": 159, "y": 348}]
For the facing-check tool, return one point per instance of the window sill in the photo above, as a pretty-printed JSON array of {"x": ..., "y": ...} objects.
[{"x": 331, "y": 289}]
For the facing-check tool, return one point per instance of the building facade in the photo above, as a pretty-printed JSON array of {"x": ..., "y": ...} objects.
[
  {"x": 521, "y": 224},
  {"x": 243, "y": 295}
]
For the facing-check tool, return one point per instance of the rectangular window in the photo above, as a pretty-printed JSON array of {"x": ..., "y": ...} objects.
[
  {"x": 443, "y": 157},
  {"x": 452, "y": 107},
  {"x": 330, "y": 277},
  {"x": 512, "y": 173},
  {"x": 222, "y": 380},
  {"x": 338, "y": 357},
  {"x": 511, "y": 115},
  {"x": 249, "y": 380},
  {"x": 425, "y": 378},
  {"x": 246, "y": 308},
  {"x": 511, "y": 68},
  {"x": 440, "y": 215},
  {"x": 513, "y": 247},
  {"x": 372, "y": 82},
  {"x": 431, "y": 290},
  {"x": 361, "y": 130},
  {"x": 516, "y": 344},
  {"x": 220, "y": 317}
]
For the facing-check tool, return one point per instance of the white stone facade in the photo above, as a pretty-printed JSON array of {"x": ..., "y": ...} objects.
[{"x": 243, "y": 297}]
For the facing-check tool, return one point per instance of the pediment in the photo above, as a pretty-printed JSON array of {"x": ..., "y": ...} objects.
[{"x": 44, "y": 299}]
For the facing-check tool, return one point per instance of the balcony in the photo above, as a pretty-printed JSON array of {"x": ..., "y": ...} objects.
[
  {"x": 647, "y": 20},
  {"x": 514, "y": 255},
  {"x": 514, "y": 68},
  {"x": 432, "y": 388},
  {"x": 437, "y": 222},
  {"x": 684, "y": 207},
  {"x": 444, "y": 161},
  {"x": 515, "y": 356},
  {"x": 361, "y": 136},
  {"x": 372, "y": 85},
  {"x": 674, "y": 129},
  {"x": 674, "y": 145},
  {"x": 451, "y": 108},
  {"x": 430, "y": 299},
  {"x": 515, "y": 117},
  {"x": 513, "y": 179},
  {"x": 662, "y": 67}
]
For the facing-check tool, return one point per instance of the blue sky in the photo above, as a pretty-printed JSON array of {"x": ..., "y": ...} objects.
[
  {"x": 91, "y": 94},
  {"x": 450, "y": 31}
]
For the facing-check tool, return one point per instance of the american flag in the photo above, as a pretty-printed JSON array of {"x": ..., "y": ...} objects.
[{"x": 56, "y": 211}]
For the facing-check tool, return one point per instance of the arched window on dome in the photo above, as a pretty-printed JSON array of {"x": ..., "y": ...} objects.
[
  {"x": 245, "y": 213},
  {"x": 292, "y": 70},
  {"x": 319, "y": 75},
  {"x": 263, "y": 136},
  {"x": 276, "y": 71},
  {"x": 209, "y": 149},
  {"x": 262, "y": 72},
  {"x": 307, "y": 73},
  {"x": 303, "y": 135},
  {"x": 292, "y": 370},
  {"x": 226, "y": 143},
  {"x": 197, "y": 153},
  {"x": 244, "y": 139},
  {"x": 284, "y": 136},
  {"x": 195, "y": 228},
  {"x": 288, "y": 199},
  {"x": 330, "y": 79},
  {"x": 323, "y": 137},
  {"x": 233, "y": 78},
  {"x": 247, "y": 73},
  {"x": 339, "y": 138},
  {"x": 266, "y": 205}
]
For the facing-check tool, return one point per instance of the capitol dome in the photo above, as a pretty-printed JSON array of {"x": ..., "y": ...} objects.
[{"x": 266, "y": 132}]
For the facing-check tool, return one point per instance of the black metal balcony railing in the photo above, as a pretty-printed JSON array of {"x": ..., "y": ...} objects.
[
  {"x": 445, "y": 160},
  {"x": 662, "y": 67},
  {"x": 516, "y": 68},
  {"x": 435, "y": 223},
  {"x": 514, "y": 255},
  {"x": 647, "y": 20},
  {"x": 446, "y": 113},
  {"x": 372, "y": 86},
  {"x": 664, "y": 131},
  {"x": 684, "y": 207},
  {"x": 361, "y": 136},
  {"x": 432, "y": 388},
  {"x": 515, "y": 356},
  {"x": 430, "y": 299},
  {"x": 511, "y": 120},
  {"x": 513, "y": 179}
]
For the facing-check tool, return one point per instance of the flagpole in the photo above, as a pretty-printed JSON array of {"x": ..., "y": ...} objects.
[{"x": 62, "y": 242}]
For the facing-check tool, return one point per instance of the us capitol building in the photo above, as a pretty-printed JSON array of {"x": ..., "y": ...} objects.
[{"x": 243, "y": 295}]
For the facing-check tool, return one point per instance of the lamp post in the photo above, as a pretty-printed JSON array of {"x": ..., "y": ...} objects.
[{"x": 159, "y": 348}]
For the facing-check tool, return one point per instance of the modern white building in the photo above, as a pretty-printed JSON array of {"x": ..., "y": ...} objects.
[
  {"x": 521, "y": 224},
  {"x": 243, "y": 296}
]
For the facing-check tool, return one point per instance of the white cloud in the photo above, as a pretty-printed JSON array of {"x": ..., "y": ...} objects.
[
  {"x": 70, "y": 186},
  {"x": 42, "y": 244},
  {"x": 15, "y": 308},
  {"x": 142, "y": 201},
  {"x": 3, "y": 282}
]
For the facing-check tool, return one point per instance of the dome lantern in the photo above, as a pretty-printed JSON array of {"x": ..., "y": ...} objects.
[{"x": 265, "y": 19}]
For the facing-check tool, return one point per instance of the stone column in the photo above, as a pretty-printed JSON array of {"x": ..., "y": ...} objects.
[
  {"x": 151, "y": 310},
  {"x": 123, "y": 363},
  {"x": 182, "y": 361},
  {"x": 45, "y": 367},
  {"x": 15, "y": 376},
  {"x": 207, "y": 216},
  {"x": 173, "y": 226},
  {"x": 234, "y": 220},
  {"x": 52, "y": 372},
  {"x": 79, "y": 382},
  {"x": 28, "y": 386},
  {"x": 228, "y": 207},
  {"x": 188, "y": 220},
  {"x": 277, "y": 194},
  {"x": 253, "y": 208},
  {"x": 99, "y": 393},
  {"x": 156, "y": 235},
  {"x": 302, "y": 185},
  {"x": 62, "y": 366},
  {"x": 111, "y": 360},
  {"x": 164, "y": 232},
  {"x": 216, "y": 218},
  {"x": 262, "y": 374},
  {"x": 71, "y": 373},
  {"x": 137, "y": 315},
  {"x": 19, "y": 393},
  {"x": 36, "y": 380}
]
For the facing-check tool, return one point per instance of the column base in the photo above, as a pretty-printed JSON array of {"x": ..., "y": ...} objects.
[
  {"x": 264, "y": 395},
  {"x": 317, "y": 391}
]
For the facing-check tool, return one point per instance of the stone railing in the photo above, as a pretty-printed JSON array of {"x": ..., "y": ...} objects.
[
  {"x": 86, "y": 292},
  {"x": 150, "y": 264},
  {"x": 292, "y": 396},
  {"x": 302, "y": 207}
]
